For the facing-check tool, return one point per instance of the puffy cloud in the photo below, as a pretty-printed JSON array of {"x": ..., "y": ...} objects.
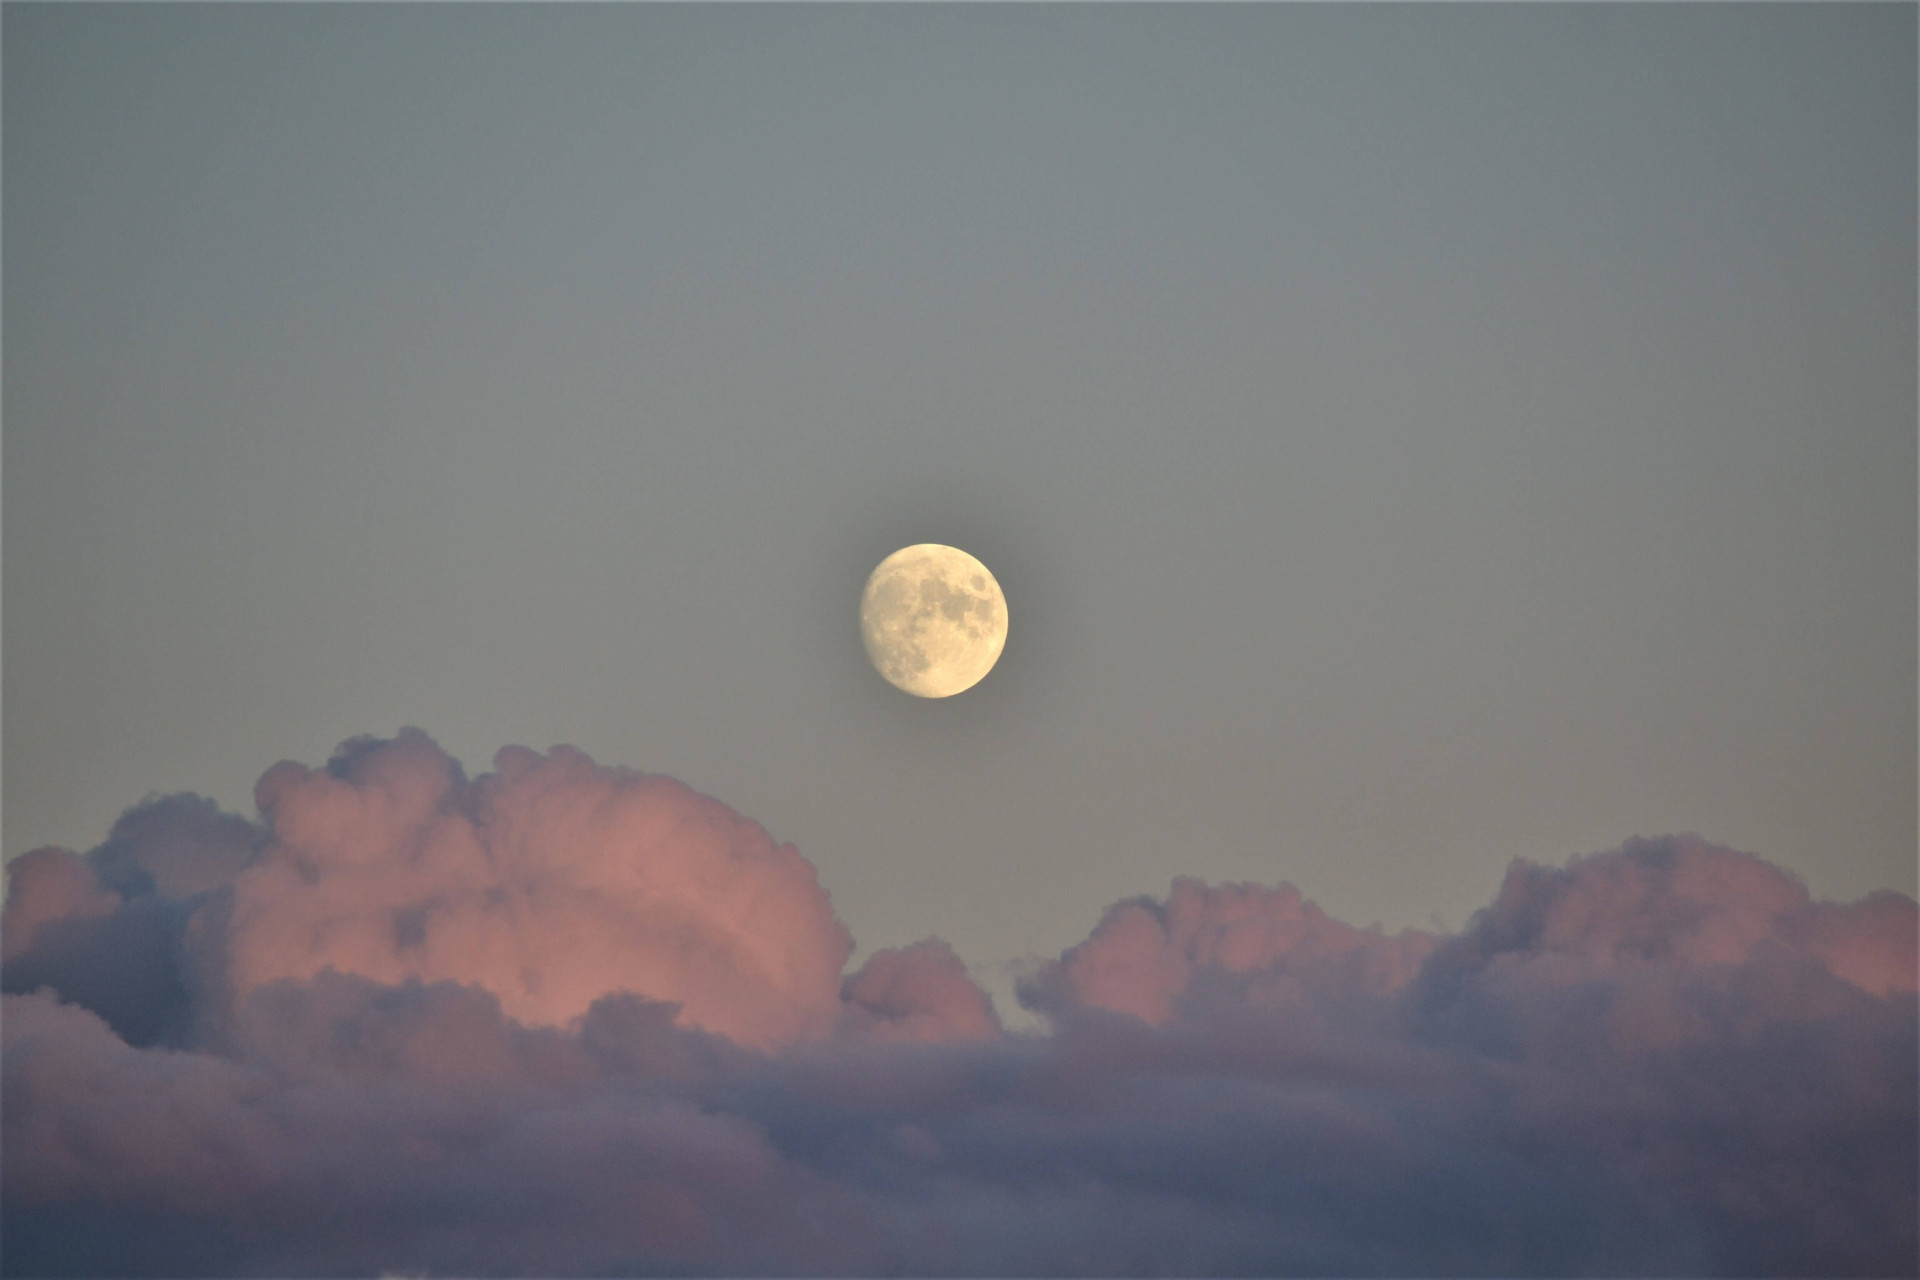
[
  {"x": 1658, "y": 943},
  {"x": 550, "y": 882},
  {"x": 177, "y": 846},
  {"x": 91, "y": 1118},
  {"x": 1871, "y": 943},
  {"x": 919, "y": 992},
  {"x": 377, "y": 1128},
  {"x": 106, "y": 930},
  {"x": 49, "y": 885},
  {"x": 1738, "y": 1053},
  {"x": 1262, "y": 945},
  {"x": 570, "y": 1019}
]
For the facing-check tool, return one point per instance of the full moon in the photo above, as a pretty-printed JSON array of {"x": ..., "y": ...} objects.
[{"x": 933, "y": 619}]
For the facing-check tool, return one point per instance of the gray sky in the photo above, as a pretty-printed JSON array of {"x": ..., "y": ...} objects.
[{"x": 1408, "y": 439}]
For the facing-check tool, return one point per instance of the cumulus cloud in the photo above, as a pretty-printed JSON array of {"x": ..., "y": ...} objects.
[
  {"x": 566, "y": 1019},
  {"x": 177, "y": 846},
  {"x": 1663, "y": 942},
  {"x": 1256, "y": 944},
  {"x": 107, "y": 929},
  {"x": 550, "y": 882},
  {"x": 919, "y": 992}
]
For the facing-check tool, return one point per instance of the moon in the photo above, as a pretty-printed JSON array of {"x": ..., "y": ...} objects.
[{"x": 933, "y": 620}]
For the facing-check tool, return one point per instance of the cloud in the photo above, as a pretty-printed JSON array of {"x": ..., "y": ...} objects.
[
  {"x": 1738, "y": 1052},
  {"x": 919, "y": 992},
  {"x": 550, "y": 882},
  {"x": 1251, "y": 943},
  {"x": 107, "y": 929},
  {"x": 566, "y": 1019},
  {"x": 368, "y": 1127},
  {"x": 49, "y": 886},
  {"x": 1659, "y": 944},
  {"x": 177, "y": 846}
]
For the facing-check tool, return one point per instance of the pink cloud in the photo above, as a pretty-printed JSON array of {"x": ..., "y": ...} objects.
[
  {"x": 1680, "y": 905},
  {"x": 1871, "y": 943},
  {"x": 564, "y": 1018},
  {"x": 919, "y": 992},
  {"x": 47, "y": 885},
  {"x": 91, "y": 1118},
  {"x": 1145, "y": 956},
  {"x": 369, "y": 1128},
  {"x": 550, "y": 882}
]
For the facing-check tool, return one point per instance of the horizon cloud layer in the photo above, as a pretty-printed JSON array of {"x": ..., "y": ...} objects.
[{"x": 564, "y": 1018}]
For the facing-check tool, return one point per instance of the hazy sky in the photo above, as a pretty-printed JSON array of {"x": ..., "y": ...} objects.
[
  {"x": 1435, "y": 458},
  {"x": 1408, "y": 439}
]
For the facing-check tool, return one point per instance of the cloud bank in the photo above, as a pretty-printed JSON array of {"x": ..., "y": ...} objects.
[{"x": 564, "y": 1019}]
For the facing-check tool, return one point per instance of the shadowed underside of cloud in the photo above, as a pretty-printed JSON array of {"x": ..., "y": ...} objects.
[{"x": 567, "y": 1019}]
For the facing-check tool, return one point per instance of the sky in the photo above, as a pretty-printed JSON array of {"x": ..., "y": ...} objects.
[{"x": 1452, "y": 473}]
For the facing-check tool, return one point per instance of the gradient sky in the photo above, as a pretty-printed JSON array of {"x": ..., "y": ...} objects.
[
  {"x": 1408, "y": 439},
  {"x": 1435, "y": 457}
]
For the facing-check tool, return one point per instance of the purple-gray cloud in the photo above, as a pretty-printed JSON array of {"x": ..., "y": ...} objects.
[{"x": 567, "y": 1019}]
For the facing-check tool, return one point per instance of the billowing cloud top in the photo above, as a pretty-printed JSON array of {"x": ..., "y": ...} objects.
[
  {"x": 568, "y": 1019},
  {"x": 1251, "y": 944},
  {"x": 549, "y": 882}
]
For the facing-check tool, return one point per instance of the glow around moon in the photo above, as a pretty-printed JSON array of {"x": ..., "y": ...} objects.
[{"x": 933, "y": 620}]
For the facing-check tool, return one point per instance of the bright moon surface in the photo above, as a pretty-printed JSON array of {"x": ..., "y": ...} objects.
[{"x": 933, "y": 619}]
